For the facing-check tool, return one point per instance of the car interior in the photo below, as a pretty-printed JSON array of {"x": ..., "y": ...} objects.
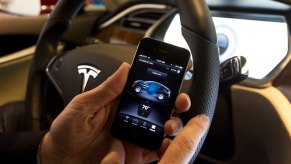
[{"x": 251, "y": 115}]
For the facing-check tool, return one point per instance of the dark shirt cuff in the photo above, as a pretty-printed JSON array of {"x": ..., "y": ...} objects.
[{"x": 20, "y": 147}]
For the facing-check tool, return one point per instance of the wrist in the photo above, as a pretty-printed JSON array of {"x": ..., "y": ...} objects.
[
  {"x": 47, "y": 152},
  {"x": 44, "y": 155},
  {"x": 50, "y": 153}
]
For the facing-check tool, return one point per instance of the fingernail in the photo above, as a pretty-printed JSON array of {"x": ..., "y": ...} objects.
[
  {"x": 204, "y": 118},
  {"x": 174, "y": 128}
]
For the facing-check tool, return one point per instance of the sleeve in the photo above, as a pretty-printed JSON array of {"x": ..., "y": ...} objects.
[{"x": 20, "y": 147}]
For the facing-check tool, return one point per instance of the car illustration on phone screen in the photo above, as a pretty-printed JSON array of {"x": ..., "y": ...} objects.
[{"x": 151, "y": 90}]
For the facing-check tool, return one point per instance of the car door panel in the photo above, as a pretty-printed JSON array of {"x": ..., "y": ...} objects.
[
  {"x": 14, "y": 71},
  {"x": 262, "y": 125}
]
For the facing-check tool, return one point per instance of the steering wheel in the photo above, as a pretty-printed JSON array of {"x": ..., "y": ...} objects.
[{"x": 75, "y": 71}]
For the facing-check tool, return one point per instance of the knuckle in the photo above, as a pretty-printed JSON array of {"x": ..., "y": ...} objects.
[
  {"x": 188, "y": 144},
  {"x": 198, "y": 124}
]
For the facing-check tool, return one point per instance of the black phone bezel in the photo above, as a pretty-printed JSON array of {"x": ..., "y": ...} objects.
[{"x": 159, "y": 50}]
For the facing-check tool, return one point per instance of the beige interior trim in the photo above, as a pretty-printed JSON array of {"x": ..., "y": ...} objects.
[
  {"x": 262, "y": 125},
  {"x": 281, "y": 104},
  {"x": 13, "y": 75},
  {"x": 19, "y": 54},
  {"x": 13, "y": 79},
  {"x": 129, "y": 10},
  {"x": 22, "y": 24}
]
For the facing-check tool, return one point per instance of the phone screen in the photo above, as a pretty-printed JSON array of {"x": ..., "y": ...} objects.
[{"x": 150, "y": 93}]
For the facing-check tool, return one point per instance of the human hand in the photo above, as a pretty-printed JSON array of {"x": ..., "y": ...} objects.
[
  {"x": 178, "y": 151},
  {"x": 183, "y": 147},
  {"x": 80, "y": 134},
  {"x": 123, "y": 152}
]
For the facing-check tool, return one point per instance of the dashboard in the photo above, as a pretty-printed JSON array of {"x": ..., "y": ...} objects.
[
  {"x": 262, "y": 40},
  {"x": 261, "y": 35},
  {"x": 251, "y": 28}
]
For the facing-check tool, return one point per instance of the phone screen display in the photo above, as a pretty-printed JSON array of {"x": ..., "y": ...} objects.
[{"x": 149, "y": 96}]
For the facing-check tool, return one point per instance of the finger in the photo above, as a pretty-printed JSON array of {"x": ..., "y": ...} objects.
[
  {"x": 173, "y": 126},
  {"x": 111, "y": 88},
  {"x": 116, "y": 154},
  {"x": 185, "y": 143},
  {"x": 190, "y": 65},
  {"x": 182, "y": 103},
  {"x": 138, "y": 154},
  {"x": 165, "y": 144}
]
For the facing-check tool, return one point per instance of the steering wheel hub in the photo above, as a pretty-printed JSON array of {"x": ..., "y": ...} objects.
[{"x": 84, "y": 68}]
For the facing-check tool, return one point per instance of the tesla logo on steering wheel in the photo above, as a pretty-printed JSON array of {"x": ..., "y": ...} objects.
[{"x": 87, "y": 71}]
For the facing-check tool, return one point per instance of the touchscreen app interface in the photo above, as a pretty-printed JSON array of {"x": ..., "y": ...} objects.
[{"x": 150, "y": 93}]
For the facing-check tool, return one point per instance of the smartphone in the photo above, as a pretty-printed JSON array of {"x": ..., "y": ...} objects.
[{"x": 148, "y": 98}]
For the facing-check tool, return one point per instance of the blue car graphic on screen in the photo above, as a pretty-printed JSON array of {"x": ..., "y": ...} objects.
[{"x": 151, "y": 90}]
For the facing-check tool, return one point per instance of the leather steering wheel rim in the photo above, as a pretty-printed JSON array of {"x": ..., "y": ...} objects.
[{"x": 197, "y": 28}]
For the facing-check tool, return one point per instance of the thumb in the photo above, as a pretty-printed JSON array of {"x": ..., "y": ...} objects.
[
  {"x": 111, "y": 88},
  {"x": 185, "y": 143}
]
